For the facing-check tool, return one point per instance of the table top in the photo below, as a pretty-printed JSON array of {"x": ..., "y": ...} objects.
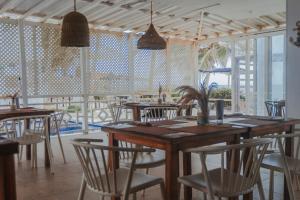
[
  {"x": 181, "y": 130},
  {"x": 8, "y": 146},
  {"x": 22, "y": 112},
  {"x": 152, "y": 104}
]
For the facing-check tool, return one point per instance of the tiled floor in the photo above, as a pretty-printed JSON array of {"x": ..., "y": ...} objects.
[{"x": 39, "y": 184}]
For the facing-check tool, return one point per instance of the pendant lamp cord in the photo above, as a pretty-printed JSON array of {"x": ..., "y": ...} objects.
[
  {"x": 151, "y": 12},
  {"x": 75, "y": 5}
]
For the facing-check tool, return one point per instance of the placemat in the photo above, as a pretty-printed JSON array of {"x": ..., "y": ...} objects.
[
  {"x": 157, "y": 131},
  {"x": 204, "y": 129},
  {"x": 166, "y": 122},
  {"x": 254, "y": 122}
]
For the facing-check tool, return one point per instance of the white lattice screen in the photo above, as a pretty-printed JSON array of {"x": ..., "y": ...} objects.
[
  {"x": 181, "y": 64},
  {"x": 9, "y": 58},
  {"x": 150, "y": 69},
  {"x": 108, "y": 64},
  {"x": 52, "y": 70},
  {"x": 114, "y": 64}
]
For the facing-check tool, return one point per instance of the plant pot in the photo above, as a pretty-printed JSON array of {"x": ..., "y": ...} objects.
[{"x": 202, "y": 119}]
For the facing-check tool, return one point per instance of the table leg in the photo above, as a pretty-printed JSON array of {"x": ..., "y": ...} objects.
[
  {"x": 136, "y": 112},
  {"x": 172, "y": 173},
  {"x": 7, "y": 178},
  {"x": 28, "y": 147},
  {"x": 187, "y": 170},
  {"x": 47, "y": 159},
  {"x": 288, "y": 152},
  {"x": 113, "y": 159}
]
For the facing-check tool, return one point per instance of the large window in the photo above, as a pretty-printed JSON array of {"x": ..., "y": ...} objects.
[{"x": 277, "y": 68}]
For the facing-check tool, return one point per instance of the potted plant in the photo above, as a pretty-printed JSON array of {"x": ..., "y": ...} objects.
[{"x": 202, "y": 95}]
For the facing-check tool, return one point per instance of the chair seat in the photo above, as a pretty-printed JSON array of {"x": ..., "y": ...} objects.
[
  {"x": 27, "y": 139},
  {"x": 274, "y": 162},
  {"x": 197, "y": 181},
  {"x": 146, "y": 160},
  {"x": 139, "y": 181}
]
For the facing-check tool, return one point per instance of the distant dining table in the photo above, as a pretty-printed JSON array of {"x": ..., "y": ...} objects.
[
  {"x": 138, "y": 107},
  {"x": 174, "y": 136},
  {"x": 28, "y": 112}
]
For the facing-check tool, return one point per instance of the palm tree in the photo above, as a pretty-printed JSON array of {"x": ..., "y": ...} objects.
[{"x": 215, "y": 54}]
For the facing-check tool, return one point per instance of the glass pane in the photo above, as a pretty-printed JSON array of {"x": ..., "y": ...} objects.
[{"x": 277, "y": 68}]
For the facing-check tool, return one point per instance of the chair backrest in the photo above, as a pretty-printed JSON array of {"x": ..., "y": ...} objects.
[
  {"x": 8, "y": 128},
  {"x": 160, "y": 113},
  {"x": 98, "y": 174},
  {"x": 269, "y": 106},
  {"x": 275, "y": 108},
  {"x": 239, "y": 167},
  {"x": 55, "y": 121},
  {"x": 115, "y": 111},
  {"x": 290, "y": 160}
]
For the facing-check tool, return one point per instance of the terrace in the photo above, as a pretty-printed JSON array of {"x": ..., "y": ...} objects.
[{"x": 243, "y": 47}]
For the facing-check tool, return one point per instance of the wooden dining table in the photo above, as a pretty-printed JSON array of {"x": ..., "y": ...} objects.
[
  {"x": 174, "y": 136},
  {"x": 28, "y": 112},
  {"x": 7, "y": 169}
]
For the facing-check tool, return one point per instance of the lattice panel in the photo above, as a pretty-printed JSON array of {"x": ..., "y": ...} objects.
[
  {"x": 109, "y": 65},
  {"x": 160, "y": 75},
  {"x": 181, "y": 68},
  {"x": 52, "y": 70},
  {"x": 9, "y": 58},
  {"x": 142, "y": 68}
]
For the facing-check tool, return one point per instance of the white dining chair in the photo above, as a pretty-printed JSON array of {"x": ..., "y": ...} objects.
[
  {"x": 159, "y": 113},
  {"x": 237, "y": 174},
  {"x": 278, "y": 161},
  {"x": 55, "y": 124},
  {"x": 114, "y": 182},
  {"x": 144, "y": 160},
  {"x": 33, "y": 137}
]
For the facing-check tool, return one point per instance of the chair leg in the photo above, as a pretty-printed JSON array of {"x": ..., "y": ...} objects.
[
  {"x": 260, "y": 189},
  {"x": 271, "y": 186},
  {"x": 134, "y": 196},
  {"x": 61, "y": 146},
  {"x": 20, "y": 153},
  {"x": 163, "y": 190},
  {"x": 50, "y": 154},
  {"x": 82, "y": 189},
  {"x": 144, "y": 191}
]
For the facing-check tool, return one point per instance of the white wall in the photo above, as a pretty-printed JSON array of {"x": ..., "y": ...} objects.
[{"x": 293, "y": 61}]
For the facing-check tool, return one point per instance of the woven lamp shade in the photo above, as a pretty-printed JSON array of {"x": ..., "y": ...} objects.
[
  {"x": 75, "y": 30},
  {"x": 151, "y": 40}
]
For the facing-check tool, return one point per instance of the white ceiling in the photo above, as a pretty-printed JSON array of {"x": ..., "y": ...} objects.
[{"x": 177, "y": 18}]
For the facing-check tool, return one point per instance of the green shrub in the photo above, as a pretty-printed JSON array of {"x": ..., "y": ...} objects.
[{"x": 221, "y": 93}]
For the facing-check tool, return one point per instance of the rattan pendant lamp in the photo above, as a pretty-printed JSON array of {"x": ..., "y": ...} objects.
[
  {"x": 75, "y": 30},
  {"x": 151, "y": 39}
]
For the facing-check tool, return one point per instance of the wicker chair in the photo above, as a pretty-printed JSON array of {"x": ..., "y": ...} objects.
[
  {"x": 231, "y": 179},
  {"x": 115, "y": 183},
  {"x": 289, "y": 165}
]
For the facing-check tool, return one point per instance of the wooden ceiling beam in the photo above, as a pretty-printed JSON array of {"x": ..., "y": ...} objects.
[
  {"x": 68, "y": 5},
  {"x": 9, "y": 5},
  {"x": 269, "y": 21},
  {"x": 37, "y": 8}
]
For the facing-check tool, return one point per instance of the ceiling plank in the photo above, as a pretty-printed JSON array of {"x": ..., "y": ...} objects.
[
  {"x": 11, "y": 4},
  {"x": 67, "y": 5},
  {"x": 37, "y": 8}
]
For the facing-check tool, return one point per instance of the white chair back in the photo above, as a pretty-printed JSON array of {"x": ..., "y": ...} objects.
[
  {"x": 94, "y": 161},
  {"x": 291, "y": 163},
  {"x": 239, "y": 167},
  {"x": 160, "y": 113}
]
